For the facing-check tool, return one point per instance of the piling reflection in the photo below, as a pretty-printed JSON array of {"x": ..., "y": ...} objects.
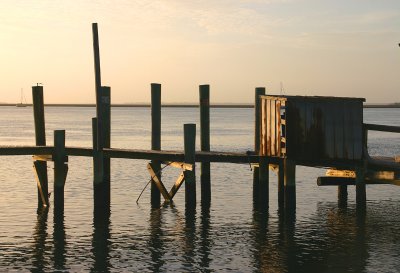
[
  {"x": 205, "y": 242},
  {"x": 156, "y": 244},
  {"x": 40, "y": 236},
  {"x": 101, "y": 240},
  {"x": 59, "y": 240}
]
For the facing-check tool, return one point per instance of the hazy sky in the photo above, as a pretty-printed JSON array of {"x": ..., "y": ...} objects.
[{"x": 314, "y": 47}]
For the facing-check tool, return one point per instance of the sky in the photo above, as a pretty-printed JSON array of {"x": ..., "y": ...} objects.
[{"x": 294, "y": 47}]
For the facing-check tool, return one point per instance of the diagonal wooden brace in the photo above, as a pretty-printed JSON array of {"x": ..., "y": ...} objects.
[
  {"x": 177, "y": 185},
  {"x": 155, "y": 179},
  {"x": 39, "y": 180}
]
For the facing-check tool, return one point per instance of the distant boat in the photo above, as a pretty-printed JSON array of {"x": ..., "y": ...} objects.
[{"x": 23, "y": 100}]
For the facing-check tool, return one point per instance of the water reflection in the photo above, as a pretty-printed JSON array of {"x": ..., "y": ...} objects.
[
  {"x": 101, "y": 240},
  {"x": 156, "y": 244},
  {"x": 205, "y": 241},
  {"x": 59, "y": 239},
  {"x": 40, "y": 237}
]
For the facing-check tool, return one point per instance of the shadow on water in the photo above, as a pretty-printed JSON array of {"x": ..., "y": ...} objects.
[
  {"x": 334, "y": 241},
  {"x": 40, "y": 237},
  {"x": 101, "y": 240}
]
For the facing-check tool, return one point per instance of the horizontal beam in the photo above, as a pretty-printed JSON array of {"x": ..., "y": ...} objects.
[
  {"x": 382, "y": 128},
  {"x": 26, "y": 150}
]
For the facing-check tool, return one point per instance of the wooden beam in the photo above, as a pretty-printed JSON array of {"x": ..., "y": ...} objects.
[
  {"x": 382, "y": 128},
  {"x": 180, "y": 165}
]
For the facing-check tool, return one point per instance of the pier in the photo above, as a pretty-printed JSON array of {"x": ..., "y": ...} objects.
[{"x": 326, "y": 132}]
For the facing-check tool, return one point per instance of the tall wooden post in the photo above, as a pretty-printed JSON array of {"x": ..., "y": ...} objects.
[
  {"x": 106, "y": 114},
  {"x": 257, "y": 122},
  {"x": 361, "y": 194},
  {"x": 60, "y": 169},
  {"x": 263, "y": 193},
  {"x": 155, "y": 139},
  {"x": 40, "y": 137},
  {"x": 98, "y": 181},
  {"x": 281, "y": 184},
  {"x": 342, "y": 196},
  {"x": 289, "y": 177},
  {"x": 205, "y": 175},
  {"x": 190, "y": 176}
]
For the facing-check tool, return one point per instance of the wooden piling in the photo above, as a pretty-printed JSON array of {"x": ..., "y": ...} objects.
[
  {"x": 40, "y": 138},
  {"x": 155, "y": 139},
  {"x": 205, "y": 175},
  {"x": 263, "y": 192},
  {"x": 60, "y": 169},
  {"x": 281, "y": 184},
  {"x": 257, "y": 122},
  {"x": 97, "y": 74},
  {"x": 106, "y": 114},
  {"x": 98, "y": 185},
  {"x": 190, "y": 176},
  {"x": 361, "y": 194},
  {"x": 342, "y": 196},
  {"x": 289, "y": 179}
]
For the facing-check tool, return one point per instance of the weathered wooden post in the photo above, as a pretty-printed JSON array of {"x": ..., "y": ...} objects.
[
  {"x": 257, "y": 122},
  {"x": 190, "y": 176},
  {"x": 155, "y": 139},
  {"x": 361, "y": 194},
  {"x": 40, "y": 167},
  {"x": 106, "y": 113},
  {"x": 205, "y": 175},
  {"x": 60, "y": 169},
  {"x": 281, "y": 184},
  {"x": 342, "y": 196},
  {"x": 263, "y": 192},
  {"x": 289, "y": 178}
]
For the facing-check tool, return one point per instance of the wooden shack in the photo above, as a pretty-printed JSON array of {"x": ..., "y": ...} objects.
[{"x": 312, "y": 129}]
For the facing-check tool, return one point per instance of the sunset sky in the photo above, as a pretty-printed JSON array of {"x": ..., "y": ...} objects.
[{"x": 312, "y": 47}]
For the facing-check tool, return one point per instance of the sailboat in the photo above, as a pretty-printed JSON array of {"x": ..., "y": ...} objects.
[{"x": 23, "y": 101}]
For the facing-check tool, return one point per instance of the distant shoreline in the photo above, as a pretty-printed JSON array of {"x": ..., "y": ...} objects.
[{"x": 179, "y": 105}]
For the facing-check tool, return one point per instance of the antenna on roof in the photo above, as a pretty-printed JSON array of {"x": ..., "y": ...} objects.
[{"x": 39, "y": 83}]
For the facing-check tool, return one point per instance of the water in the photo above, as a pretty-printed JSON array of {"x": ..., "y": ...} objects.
[{"x": 227, "y": 237}]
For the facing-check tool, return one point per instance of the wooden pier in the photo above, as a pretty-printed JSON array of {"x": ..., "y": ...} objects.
[{"x": 323, "y": 132}]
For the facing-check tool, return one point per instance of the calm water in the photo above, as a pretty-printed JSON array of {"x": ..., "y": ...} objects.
[{"x": 227, "y": 237}]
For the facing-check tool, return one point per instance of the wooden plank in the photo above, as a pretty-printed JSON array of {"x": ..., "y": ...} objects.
[
  {"x": 177, "y": 185},
  {"x": 157, "y": 182},
  {"x": 181, "y": 165},
  {"x": 274, "y": 135},
  {"x": 335, "y": 181},
  {"x": 278, "y": 128},
  {"x": 341, "y": 173},
  {"x": 263, "y": 130},
  {"x": 269, "y": 128},
  {"x": 42, "y": 157}
]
